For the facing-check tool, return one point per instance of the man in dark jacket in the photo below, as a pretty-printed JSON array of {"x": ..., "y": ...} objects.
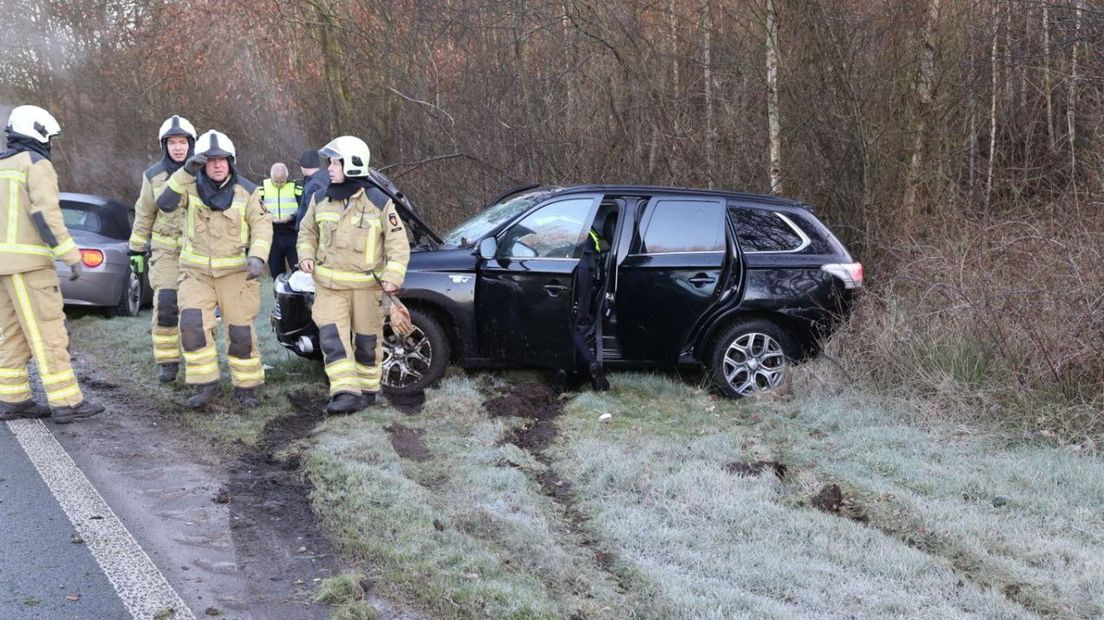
[{"x": 315, "y": 179}]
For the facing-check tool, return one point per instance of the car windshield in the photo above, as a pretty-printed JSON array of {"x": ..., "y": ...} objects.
[{"x": 477, "y": 227}]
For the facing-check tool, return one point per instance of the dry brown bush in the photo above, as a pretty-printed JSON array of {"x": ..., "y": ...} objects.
[{"x": 993, "y": 319}]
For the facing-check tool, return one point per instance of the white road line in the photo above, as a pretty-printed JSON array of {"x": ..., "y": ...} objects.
[{"x": 139, "y": 583}]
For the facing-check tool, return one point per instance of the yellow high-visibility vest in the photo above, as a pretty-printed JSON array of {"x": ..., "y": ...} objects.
[{"x": 281, "y": 201}]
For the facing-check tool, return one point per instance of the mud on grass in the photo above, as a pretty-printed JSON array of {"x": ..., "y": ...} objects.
[{"x": 467, "y": 533}]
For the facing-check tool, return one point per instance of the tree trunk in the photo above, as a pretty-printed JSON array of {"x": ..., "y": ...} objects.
[
  {"x": 340, "y": 101},
  {"x": 526, "y": 91},
  {"x": 923, "y": 86},
  {"x": 1048, "y": 85},
  {"x": 1071, "y": 103},
  {"x": 994, "y": 73},
  {"x": 707, "y": 70},
  {"x": 774, "y": 122}
]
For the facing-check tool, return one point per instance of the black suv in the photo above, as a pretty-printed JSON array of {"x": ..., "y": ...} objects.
[{"x": 743, "y": 284}]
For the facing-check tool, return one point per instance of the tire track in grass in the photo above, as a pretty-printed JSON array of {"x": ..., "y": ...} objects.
[{"x": 539, "y": 407}]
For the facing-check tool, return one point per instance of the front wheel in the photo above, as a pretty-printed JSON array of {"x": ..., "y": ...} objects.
[
  {"x": 751, "y": 357},
  {"x": 414, "y": 362}
]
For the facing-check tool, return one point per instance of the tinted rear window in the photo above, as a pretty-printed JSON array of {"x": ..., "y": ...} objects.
[
  {"x": 763, "y": 230},
  {"x": 681, "y": 225},
  {"x": 79, "y": 219}
]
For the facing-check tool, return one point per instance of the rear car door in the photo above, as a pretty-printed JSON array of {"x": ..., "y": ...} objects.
[
  {"x": 524, "y": 294},
  {"x": 671, "y": 276}
]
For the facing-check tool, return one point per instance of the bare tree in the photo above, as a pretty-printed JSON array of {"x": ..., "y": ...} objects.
[{"x": 774, "y": 121}]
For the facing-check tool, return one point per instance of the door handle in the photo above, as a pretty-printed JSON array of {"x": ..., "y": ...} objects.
[
  {"x": 554, "y": 288},
  {"x": 701, "y": 280}
]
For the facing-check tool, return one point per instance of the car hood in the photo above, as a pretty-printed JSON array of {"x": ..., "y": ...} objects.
[{"x": 423, "y": 235}]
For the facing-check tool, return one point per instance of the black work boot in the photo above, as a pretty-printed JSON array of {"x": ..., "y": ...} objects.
[
  {"x": 344, "y": 402},
  {"x": 598, "y": 378},
  {"x": 367, "y": 399},
  {"x": 167, "y": 374},
  {"x": 204, "y": 394},
  {"x": 25, "y": 409},
  {"x": 85, "y": 409},
  {"x": 247, "y": 397}
]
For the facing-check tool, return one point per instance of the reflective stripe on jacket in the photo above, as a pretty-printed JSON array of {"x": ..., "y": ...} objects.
[
  {"x": 351, "y": 240},
  {"x": 32, "y": 229},
  {"x": 218, "y": 242},
  {"x": 282, "y": 201},
  {"x": 150, "y": 223}
]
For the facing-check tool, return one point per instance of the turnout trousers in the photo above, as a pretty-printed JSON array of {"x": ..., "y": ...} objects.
[
  {"x": 32, "y": 320},
  {"x": 164, "y": 274},
  {"x": 350, "y": 331},
  {"x": 283, "y": 251},
  {"x": 240, "y": 301}
]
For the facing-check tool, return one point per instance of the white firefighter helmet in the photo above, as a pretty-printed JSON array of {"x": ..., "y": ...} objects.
[
  {"x": 176, "y": 126},
  {"x": 215, "y": 144},
  {"x": 353, "y": 153},
  {"x": 31, "y": 121}
]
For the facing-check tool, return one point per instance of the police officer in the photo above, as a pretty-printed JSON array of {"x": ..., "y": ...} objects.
[
  {"x": 32, "y": 237},
  {"x": 281, "y": 198},
  {"x": 354, "y": 243},
  {"x": 227, "y": 236},
  {"x": 177, "y": 137}
]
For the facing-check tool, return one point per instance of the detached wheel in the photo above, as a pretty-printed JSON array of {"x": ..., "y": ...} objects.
[
  {"x": 413, "y": 363},
  {"x": 751, "y": 357},
  {"x": 130, "y": 301}
]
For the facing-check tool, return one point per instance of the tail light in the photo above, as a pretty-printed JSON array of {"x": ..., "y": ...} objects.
[
  {"x": 850, "y": 273},
  {"x": 91, "y": 258}
]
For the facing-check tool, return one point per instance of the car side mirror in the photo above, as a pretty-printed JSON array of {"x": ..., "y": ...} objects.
[{"x": 488, "y": 247}]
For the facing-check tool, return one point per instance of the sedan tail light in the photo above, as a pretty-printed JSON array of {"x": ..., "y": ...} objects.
[
  {"x": 91, "y": 258},
  {"x": 850, "y": 273}
]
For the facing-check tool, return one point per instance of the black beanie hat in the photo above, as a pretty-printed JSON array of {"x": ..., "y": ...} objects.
[{"x": 309, "y": 159}]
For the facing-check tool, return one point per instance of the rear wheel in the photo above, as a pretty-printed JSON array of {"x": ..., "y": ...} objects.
[
  {"x": 414, "y": 362},
  {"x": 751, "y": 357},
  {"x": 130, "y": 300}
]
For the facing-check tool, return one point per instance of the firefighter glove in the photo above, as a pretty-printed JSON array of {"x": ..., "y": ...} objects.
[
  {"x": 194, "y": 163},
  {"x": 137, "y": 261},
  {"x": 254, "y": 267},
  {"x": 75, "y": 271}
]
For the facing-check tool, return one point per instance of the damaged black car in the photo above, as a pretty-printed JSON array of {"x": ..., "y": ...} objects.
[{"x": 744, "y": 285}]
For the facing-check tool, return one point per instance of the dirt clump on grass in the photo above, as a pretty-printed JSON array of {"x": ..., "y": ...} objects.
[
  {"x": 829, "y": 499},
  {"x": 534, "y": 402},
  {"x": 408, "y": 442},
  {"x": 756, "y": 468}
]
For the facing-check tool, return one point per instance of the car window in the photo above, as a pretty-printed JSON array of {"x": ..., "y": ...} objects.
[
  {"x": 683, "y": 225},
  {"x": 552, "y": 231},
  {"x": 79, "y": 219},
  {"x": 467, "y": 233},
  {"x": 763, "y": 230}
]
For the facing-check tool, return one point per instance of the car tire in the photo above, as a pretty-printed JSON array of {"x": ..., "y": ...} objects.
[
  {"x": 130, "y": 300},
  {"x": 418, "y": 361},
  {"x": 751, "y": 356}
]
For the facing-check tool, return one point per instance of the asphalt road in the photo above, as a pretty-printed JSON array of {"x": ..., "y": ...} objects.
[{"x": 42, "y": 570}]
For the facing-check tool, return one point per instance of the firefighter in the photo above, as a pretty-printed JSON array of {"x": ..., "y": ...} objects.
[
  {"x": 32, "y": 237},
  {"x": 227, "y": 236},
  {"x": 281, "y": 199},
  {"x": 161, "y": 230},
  {"x": 352, "y": 240}
]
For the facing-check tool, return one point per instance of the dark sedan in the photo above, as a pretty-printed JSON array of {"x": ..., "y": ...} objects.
[
  {"x": 741, "y": 284},
  {"x": 101, "y": 228}
]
